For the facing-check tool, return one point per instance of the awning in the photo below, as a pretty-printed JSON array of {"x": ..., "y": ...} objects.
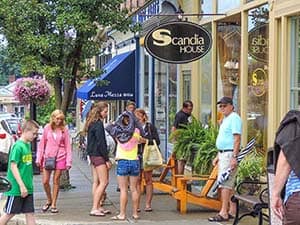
[{"x": 120, "y": 72}]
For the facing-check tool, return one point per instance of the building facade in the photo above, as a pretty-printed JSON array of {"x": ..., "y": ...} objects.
[{"x": 254, "y": 59}]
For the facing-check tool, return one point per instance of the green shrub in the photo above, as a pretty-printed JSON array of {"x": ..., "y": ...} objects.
[
  {"x": 196, "y": 144},
  {"x": 251, "y": 167}
]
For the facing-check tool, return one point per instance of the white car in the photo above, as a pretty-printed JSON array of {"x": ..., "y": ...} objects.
[{"x": 6, "y": 142}]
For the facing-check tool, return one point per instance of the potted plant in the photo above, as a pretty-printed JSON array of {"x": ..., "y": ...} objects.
[
  {"x": 36, "y": 90},
  {"x": 196, "y": 144},
  {"x": 207, "y": 151},
  {"x": 252, "y": 167}
]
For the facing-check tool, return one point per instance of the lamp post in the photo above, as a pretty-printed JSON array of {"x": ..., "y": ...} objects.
[
  {"x": 36, "y": 170},
  {"x": 137, "y": 68}
]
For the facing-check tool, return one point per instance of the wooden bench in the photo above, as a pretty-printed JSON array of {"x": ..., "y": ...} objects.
[{"x": 253, "y": 194}]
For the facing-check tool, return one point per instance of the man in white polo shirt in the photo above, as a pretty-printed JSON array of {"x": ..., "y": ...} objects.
[{"x": 228, "y": 143}]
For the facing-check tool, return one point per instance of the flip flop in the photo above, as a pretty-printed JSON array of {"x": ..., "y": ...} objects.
[
  {"x": 96, "y": 213},
  {"x": 217, "y": 218},
  {"x": 117, "y": 218},
  {"x": 105, "y": 211},
  {"x": 54, "y": 210},
  {"x": 135, "y": 217},
  {"x": 46, "y": 207},
  {"x": 230, "y": 216},
  {"x": 148, "y": 209}
]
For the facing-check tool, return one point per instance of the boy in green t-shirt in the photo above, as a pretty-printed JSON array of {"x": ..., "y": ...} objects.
[{"x": 20, "y": 174}]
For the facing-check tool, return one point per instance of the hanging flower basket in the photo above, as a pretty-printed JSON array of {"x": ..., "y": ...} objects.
[{"x": 34, "y": 90}]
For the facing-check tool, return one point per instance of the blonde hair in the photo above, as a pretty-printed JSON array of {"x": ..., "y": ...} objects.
[
  {"x": 143, "y": 112},
  {"x": 95, "y": 114},
  {"x": 29, "y": 125},
  {"x": 57, "y": 113}
]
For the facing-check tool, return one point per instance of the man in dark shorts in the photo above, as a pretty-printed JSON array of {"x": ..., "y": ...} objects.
[{"x": 182, "y": 117}]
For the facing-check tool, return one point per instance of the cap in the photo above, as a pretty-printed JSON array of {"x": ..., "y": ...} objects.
[{"x": 225, "y": 100}]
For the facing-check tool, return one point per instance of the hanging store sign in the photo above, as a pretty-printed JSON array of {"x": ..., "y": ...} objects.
[
  {"x": 259, "y": 43},
  {"x": 178, "y": 42}
]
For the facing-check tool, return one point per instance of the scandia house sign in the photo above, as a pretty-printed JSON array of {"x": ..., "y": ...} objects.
[{"x": 178, "y": 42}]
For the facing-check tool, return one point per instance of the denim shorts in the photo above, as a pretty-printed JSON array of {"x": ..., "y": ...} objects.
[{"x": 128, "y": 167}]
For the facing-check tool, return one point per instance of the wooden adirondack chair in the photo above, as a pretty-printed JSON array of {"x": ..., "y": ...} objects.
[{"x": 176, "y": 186}]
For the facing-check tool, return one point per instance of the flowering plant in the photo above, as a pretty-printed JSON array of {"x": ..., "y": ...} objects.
[{"x": 30, "y": 89}]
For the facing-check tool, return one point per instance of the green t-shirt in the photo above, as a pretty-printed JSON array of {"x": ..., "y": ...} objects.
[{"x": 21, "y": 155}]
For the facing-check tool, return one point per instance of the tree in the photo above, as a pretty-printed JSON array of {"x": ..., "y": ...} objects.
[
  {"x": 54, "y": 37},
  {"x": 6, "y": 67}
]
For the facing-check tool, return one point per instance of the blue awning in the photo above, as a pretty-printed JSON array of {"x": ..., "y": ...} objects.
[{"x": 120, "y": 72}]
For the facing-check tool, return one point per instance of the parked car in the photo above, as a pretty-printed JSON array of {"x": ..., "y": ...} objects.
[
  {"x": 6, "y": 115},
  {"x": 12, "y": 126},
  {"x": 6, "y": 141}
]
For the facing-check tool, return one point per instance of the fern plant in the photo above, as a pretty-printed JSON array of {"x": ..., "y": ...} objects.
[
  {"x": 186, "y": 138},
  {"x": 207, "y": 151},
  {"x": 195, "y": 144}
]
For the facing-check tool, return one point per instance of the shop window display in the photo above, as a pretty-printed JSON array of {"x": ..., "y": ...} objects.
[
  {"x": 258, "y": 50},
  {"x": 229, "y": 42},
  {"x": 172, "y": 95},
  {"x": 206, "y": 84}
]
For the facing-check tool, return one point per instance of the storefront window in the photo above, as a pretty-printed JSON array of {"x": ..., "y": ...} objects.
[
  {"x": 224, "y": 6},
  {"x": 295, "y": 64},
  {"x": 228, "y": 53},
  {"x": 258, "y": 51},
  {"x": 186, "y": 75},
  {"x": 205, "y": 90},
  {"x": 172, "y": 95},
  {"x": 165, "y": 100},
  {"x": 160, "y": 101}
]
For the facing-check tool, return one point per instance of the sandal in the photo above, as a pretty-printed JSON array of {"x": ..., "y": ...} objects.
[
  {"x": 105, "y": 211},
  {"x": 148, "y": 209},
  {"x": 96, "y": 213},
  {"x": 230, "y": 216},
  {"x": 46, "y": 207},
  {"x": 217, "y": 218},
  {"x": 54, "y": 210},
  {"x": 117, "y": 218},
  {"x": 135, "y": 217}
]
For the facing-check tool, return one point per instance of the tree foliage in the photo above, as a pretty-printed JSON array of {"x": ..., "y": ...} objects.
[
  {"x": 6, "y": 66},
  {"x": 54, "y": 37}
]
